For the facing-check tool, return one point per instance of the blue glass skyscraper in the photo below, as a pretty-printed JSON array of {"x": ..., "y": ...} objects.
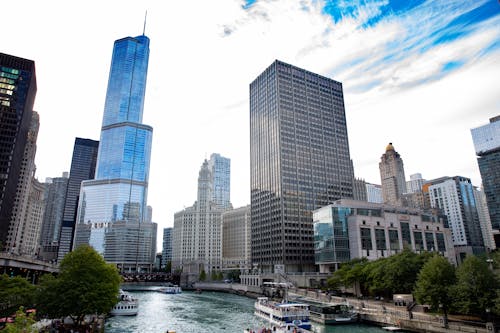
[{"x": 113, "y": 207}]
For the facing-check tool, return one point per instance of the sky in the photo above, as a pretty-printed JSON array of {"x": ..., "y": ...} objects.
[{"x": 420, "y": 74}]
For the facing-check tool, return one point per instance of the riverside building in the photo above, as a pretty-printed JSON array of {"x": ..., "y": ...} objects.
[
  {"x": 299, "y": 161},
  {"x": 349, "y": 229},
  {"x": 17, "y": 96},
  {"x": 392, "y": 175},
  {"x": 236, "y": 239},
  {"x": 112, "y": 212},
  {"x": 455, "y": 197},
  {"x": 197, "y": 234}
]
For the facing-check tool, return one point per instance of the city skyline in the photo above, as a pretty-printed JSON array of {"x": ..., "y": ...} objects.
[{"x": 403, "y": 71}]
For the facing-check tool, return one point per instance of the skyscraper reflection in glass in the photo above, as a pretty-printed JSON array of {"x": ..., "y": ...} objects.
[{"x": 113, "y": 207}]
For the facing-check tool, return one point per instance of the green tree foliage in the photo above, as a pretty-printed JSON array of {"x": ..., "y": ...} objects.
[
  {"x": 220, "y": 276},
  {"x": 476, "y": 287},
  {"x": 86, "y": 285},
  {"x": 168, "y": 267},
  {"x": 213, "y": 275},
  {"x": 203, "y": 275},
  {"x": 234, "y": 275},
  {"x": 350, "y": 273},
  {"x": 23, "y": 323},
  {"x": 434, "y": 282},
  {"x": 14, "y": 292}
]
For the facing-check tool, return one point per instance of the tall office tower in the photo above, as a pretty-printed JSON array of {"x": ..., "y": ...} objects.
[
  {"x": 197, "y": 231},
  {"x": 392, "y": 176},
  {"x": 374, "y": 193},
  {"x": 455, "y": 197},
  {"x": 359, "y": 190},
  {"x": 34, "y": 218},
  {"x": 18, "y": 241},
  {"x": 487, "y": 145},
  {"x": 236, "y": 239},
  {"x": 484, "y": 219},
  {"x": 415, "y": 183},
  {"x": 167, "y": 247},
  {"x": 55, "y": 198},
  {"x": 83, "y": 165},
  {"x": 299, "y": 161},
  {"x": 220, "y": 167},
  {"x": 112, "y": 208},
  {"x": 17, "y": 96}
]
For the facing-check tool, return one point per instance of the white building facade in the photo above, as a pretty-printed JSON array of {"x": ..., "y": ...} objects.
[{"x": 236, "y": 239}]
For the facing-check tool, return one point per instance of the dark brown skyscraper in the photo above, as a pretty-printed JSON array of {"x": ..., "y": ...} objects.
[
  {"x": 299, "y": 161},
  {"x": 17, "y": 96}
]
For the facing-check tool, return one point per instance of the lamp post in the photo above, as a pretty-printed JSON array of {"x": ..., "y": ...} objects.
[
  {"x": 489, "y": 323},
  {"x": 445, "y": 315}
]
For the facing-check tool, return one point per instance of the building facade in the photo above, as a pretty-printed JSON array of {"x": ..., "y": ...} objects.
[
  {"x": 17, "y": 96},
  {"x": 415, "y": 183},
  {"x": 83, "y": 165},
  {"x": 299, "y": 161},
  {"x": 349, "y": 229},
  {"x": 392, "y": 176},
  {"x": 236, "y": 239},
  {"x": 55, "y": 197},
  {"x": 197, "y": 239},
  {"x": 484, "y": 219},
  {"x": 20, "y": 240},
  {"x": 374, "y": 193},
  {"x": 486, "y": 140},
  {"x": 167, "y": 247},
  {"x": 359, "y": 190},
  {"x": 112, "y": 208},
  {"x": 455, "y": 197}
]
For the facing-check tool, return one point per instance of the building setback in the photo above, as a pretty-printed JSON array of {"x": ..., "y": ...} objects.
[
  {"x": 17, "y": 96},
  {"x": 112, "y": 211},
  {"x": 299, "y": 161},
  {"x": 487, "y": 145},
  {"x": 349, "y": 229},
  {"x": 82, "y": 168}
]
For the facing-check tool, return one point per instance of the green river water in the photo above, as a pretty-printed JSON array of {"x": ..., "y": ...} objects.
[{"x": 210, "y": 312}]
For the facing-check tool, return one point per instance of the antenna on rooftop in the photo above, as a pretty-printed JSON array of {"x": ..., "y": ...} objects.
[{"x": 144, "y": 29}]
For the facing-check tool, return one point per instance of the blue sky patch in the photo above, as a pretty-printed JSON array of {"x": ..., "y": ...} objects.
[{"x": 248, "y": 4}]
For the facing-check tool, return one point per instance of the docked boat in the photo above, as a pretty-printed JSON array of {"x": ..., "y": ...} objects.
[
  {"x": 170, "y": 290},
  {"x": 127, "y": 305},
  {"x": 274, "y": 329},
  {"x": 332, "y": 314},
  {"x": 285, "y": 315}
]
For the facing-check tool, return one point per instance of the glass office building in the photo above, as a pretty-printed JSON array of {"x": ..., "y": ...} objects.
[
  {"x": 112, "y": 214},
  {"x": 487, "y": 145},
  {"x": 17, "y": 96},
  {"x": 220, "y": 167},
  {"x": 299, "y": 161}
]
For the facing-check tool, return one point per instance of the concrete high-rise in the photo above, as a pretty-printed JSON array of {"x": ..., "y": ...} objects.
[
  {"x": 83, "y": 165},
  {"x": 299, "y": 161},
  {"x": 392, "y": 176},
  {"x": 484, "y": 219},
  {"x": 197, "y": 230},
  {"x": 21, "y": 235},
  {"x": 55, "y": 197},
  {"x": 17, "y": 96},
  {"x": 455, "y": 197},
  {"x": 487, "y": 145},
  {"x": 415, "y": 183},
  {"x": 113, "y": 207},
  {"x": 236, "y": 239}
]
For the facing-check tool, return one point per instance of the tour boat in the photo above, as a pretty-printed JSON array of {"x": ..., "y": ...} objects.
[
  {"x": 127, "y": 305},
  {"x": 281, "y": 315},
  {"x": 274, "y": 329},
  {"x": 170, "y": 290}
]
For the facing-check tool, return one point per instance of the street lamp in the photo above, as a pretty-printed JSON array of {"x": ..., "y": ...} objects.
[{"x": 490, "y": 263}]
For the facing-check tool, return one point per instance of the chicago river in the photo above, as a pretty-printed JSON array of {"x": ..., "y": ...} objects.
[{"x": 213, "y": 312}]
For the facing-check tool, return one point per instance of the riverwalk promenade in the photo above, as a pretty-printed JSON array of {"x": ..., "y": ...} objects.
[{"x": 380, "y": 313}]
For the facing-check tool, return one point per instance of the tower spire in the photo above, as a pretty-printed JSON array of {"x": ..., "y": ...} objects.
[{"x": 144, "y": 28}]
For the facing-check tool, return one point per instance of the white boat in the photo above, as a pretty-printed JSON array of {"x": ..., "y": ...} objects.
[
  {"x": 127, "y": 305},
  {"x": 333, "y": 314},
  {"x": 170, "y": 290},
  {"x": 274, "y": 329},
  {"x": 284, "y": 315}
]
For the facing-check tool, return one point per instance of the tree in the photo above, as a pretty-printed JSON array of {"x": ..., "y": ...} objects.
[
  {"x": 23, "y": 323},
  {"x": 168, "y": 267},
  {"x": 14, "y": 292},
  {"x": 203, "y": 275},
  {"x": 351, "y": 273},
  {"x": 213, "y": 275},
  {"x": 86, "y": 285},
  {"x": 434, "y": 281},
  {"x": 476, "y": 288}
]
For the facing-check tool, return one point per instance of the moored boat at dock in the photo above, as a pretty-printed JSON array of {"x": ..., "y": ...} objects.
[
  {"x": 170, "y": 290},
  {"x": 332, "y": 314},
  {"x": 284, "y": 314}
]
